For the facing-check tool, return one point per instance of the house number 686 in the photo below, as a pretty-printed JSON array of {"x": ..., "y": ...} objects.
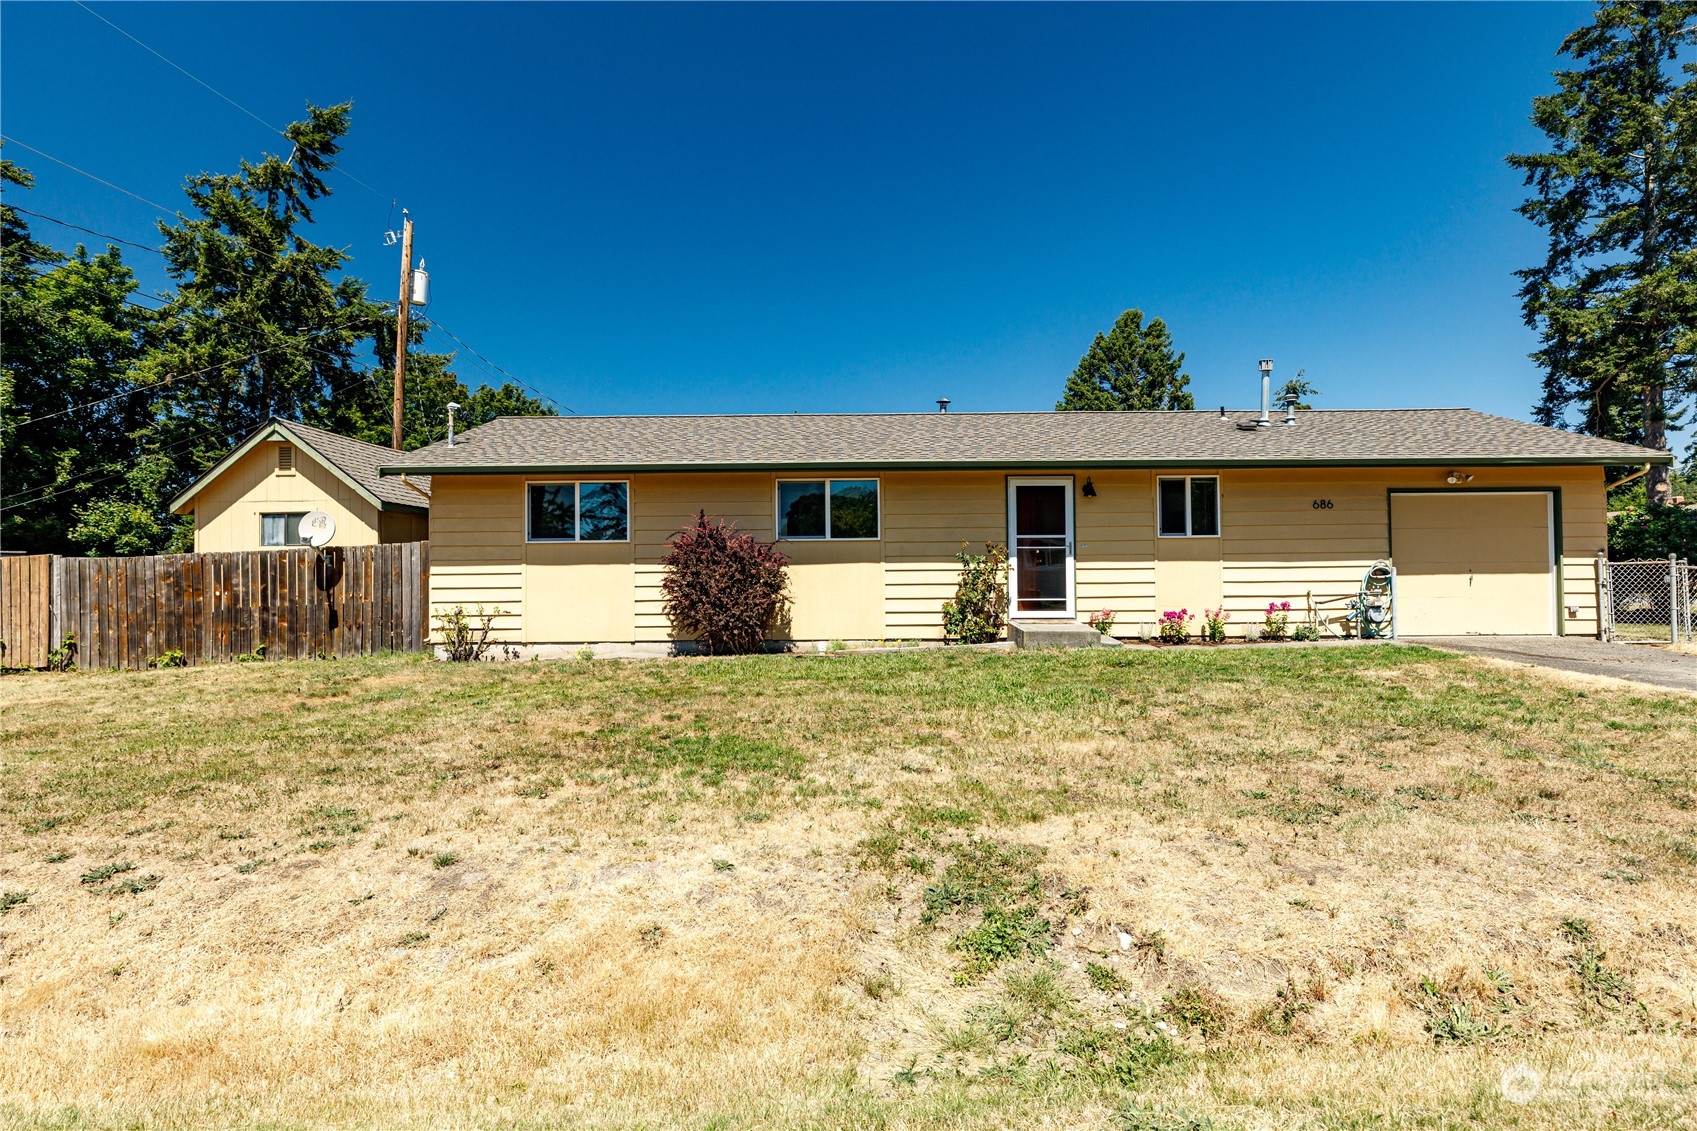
[{"x": 1322, "y": 504}]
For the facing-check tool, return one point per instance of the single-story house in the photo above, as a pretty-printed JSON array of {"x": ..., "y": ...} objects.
[
  {"x": 1494, "y": 525},
  {"x": 253, "y": 498}
]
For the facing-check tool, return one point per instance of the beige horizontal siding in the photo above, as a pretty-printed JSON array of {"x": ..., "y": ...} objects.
[{"x": 1274, "y": 545}]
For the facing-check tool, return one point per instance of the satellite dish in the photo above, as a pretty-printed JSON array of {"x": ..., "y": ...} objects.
[{"x": 317, "y": 528}]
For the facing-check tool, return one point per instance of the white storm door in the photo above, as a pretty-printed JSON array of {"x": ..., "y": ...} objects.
[{"x": 1040, "y": 548}]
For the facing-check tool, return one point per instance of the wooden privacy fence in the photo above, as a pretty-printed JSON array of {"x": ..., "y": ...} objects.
[{"x": 212, "y": 608}]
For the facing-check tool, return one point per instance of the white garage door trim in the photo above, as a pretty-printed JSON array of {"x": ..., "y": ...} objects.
[{"x": 1552, "y": 528}]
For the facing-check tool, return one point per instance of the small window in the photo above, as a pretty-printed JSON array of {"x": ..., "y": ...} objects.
[
  {"x": 1189, "y": 507},
  {"x": 280, "y": 529},
  {"x": 578, "y": 512},
  {"x": 828, "y": 508},
  {"x": 285, "y": 457}
]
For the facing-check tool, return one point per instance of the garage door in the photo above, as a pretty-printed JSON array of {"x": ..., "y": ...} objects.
[{"x": 1473, "y": 562}]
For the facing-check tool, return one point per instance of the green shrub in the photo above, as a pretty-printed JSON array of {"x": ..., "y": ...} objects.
[
  {"x": 980, "y": 604},
  {"x": 1639, "y": 533},
  {"x": 460, "y": 639},
  {"x": 64, "y": 657}
]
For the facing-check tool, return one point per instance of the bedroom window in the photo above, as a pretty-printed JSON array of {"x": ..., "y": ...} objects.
[
  {"x": 281, "y": 529},
  {"x": 577, "y": 512},
  {"x": 828, "y": 508},
  {"x": 1189, "y": 507}
]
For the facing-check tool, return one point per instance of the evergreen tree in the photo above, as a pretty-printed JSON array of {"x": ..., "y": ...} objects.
[
  {"x": 262, "y": 324},
  {"x": 1132, "y": 367},
  {"x": 366, "y": 412},
  {"x": 69, "y": 407},
  {"x": 1615, "y": 300}
]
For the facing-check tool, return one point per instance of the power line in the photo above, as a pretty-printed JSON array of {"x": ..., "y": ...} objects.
[
  {"x": 89, "y": 175},
  {"x": 434, "y": 325},
  {"x": 170, "y": 378},
  {"x": 168, "y": 62},
  {"x": 191, "y": 75},
  {"x": 90, "y": 231},
  {"x": 11, "y": 502}
]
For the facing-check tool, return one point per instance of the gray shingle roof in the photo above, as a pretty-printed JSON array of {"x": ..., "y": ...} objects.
[
  {"x": 552, "y": 444},
  {"x": 359, "y": 461},
  {"x": 354, "y": 461}
]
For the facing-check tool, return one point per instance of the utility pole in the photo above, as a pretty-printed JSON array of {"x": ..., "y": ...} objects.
[{"x": 401, "y": 324}]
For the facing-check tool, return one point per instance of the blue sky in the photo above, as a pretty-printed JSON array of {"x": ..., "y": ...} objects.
[{"x": 835, "y": 208}]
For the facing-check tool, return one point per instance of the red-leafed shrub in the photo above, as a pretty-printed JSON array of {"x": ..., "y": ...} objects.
[{"x": 723, "y": 587}]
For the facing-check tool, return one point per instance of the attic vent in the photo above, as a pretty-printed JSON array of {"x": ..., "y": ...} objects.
[{"x": 285, "y": 457}]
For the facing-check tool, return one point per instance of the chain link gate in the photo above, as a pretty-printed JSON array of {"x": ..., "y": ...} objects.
[{"x": 1647, "y": 600}]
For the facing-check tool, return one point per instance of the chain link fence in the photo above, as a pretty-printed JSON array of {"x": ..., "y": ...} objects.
[{"x": 1649, "y": 600}]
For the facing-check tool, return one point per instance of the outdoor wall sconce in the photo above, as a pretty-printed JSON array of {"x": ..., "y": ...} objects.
[
  {"x": 1458, "y": 477},
  {"x": 1089, "y": 488}
]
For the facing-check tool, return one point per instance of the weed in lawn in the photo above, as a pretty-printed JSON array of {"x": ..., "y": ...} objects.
[
  {"x": 444, "y": 860},
  {"x": 133, "y": 885},
  {"x": 1136, "y": 1117},
  {"x": 251, "y": 867},
  {"x": 653, "y": 934},
  {"x": 1000, "y": 936},
  {"x": 1126, "y": 1057},
  {"x": 1278, "y": 1017},
  {"x": 1196, "y": 1008},
  {"x": 57, "y": 857},
  {"x": 105, "y": 872},
  {"x": 115, "y": 918},
  {"x": 11, "y": 899},
  {"x": 329, "y": 826},
  {"x": 723, "y": 866},
  {"x": 1105, "y": 978},
  {"x": 413, "y": 938},
  {"x": 908, "y": 1075},
  {"x": 1038, "y": 991},
  {"x": 878, "y": 985}
]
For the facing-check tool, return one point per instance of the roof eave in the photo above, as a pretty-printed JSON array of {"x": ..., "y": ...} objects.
[
  {"x": 271, "y": 430},
  {"x": 1011, "y": 465}
]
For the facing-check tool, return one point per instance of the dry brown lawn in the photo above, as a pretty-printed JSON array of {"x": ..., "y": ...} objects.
[{"x": 1271, "y": 887}]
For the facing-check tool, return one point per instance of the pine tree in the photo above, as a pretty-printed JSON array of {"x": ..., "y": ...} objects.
[
  {"x": 262, "y": 316},
  {"x": 1132, "y": 367},
  {"x": 1615, "y": 300}
]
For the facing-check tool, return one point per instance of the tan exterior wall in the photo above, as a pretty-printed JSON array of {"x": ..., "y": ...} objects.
[
  {"x": 1275, "y": 544},
  {"x": 403, "y": 526},
  {"x": 227, "y": 510}
]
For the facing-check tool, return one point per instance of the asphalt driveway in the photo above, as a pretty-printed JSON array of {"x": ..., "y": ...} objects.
[{"x": 1642, "y": 663}]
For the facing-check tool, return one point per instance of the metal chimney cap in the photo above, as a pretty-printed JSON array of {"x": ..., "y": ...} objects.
[
  {"x": 943, "y": 404},
  {"x": 1266, "y": 365}
]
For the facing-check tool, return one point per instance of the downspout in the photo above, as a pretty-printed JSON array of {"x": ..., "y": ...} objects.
[
  {"x": 409, "y": 483},
  {"x": 1636, "y": 475}
]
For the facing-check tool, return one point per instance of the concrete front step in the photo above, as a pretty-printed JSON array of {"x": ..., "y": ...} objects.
[{"x": 1057, "y": 634}]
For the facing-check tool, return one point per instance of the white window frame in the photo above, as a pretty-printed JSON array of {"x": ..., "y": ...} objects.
[
  {"x": 577, "y": 512},
  {"x": 778, "y": 516},
  {"x": 1219, "y": 509},
  {"x": 297, "y": 515}
]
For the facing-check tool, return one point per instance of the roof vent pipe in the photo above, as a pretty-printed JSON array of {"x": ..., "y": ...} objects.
[
  {"x": 1266, "y": 391},
  {"x": 1290, "y": 407},
  {"x": 451, "y": 407},
  {"x": 942, "y": 404}
]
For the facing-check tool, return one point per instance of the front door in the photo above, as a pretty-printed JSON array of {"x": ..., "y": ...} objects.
[{"x": 1040, "y": 580}]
